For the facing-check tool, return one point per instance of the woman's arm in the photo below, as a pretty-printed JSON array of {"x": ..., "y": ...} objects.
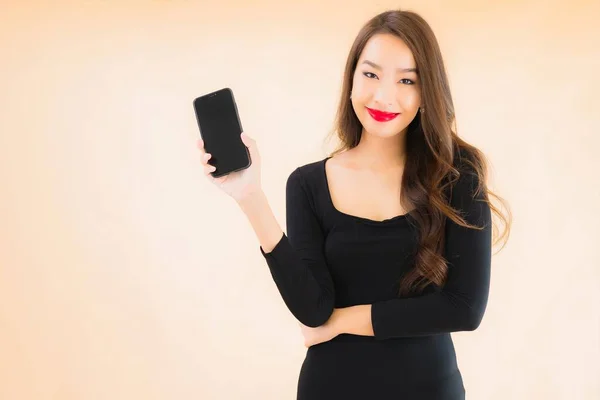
[
  {"x": 459, "y": 305},
  {"x": 256, "y": 207},
  {"x": 297, "y": 265},
  {"x": 296, "y": 260}
]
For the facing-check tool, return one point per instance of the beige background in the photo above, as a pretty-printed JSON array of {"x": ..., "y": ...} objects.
[{"x": 125, "y": 275}]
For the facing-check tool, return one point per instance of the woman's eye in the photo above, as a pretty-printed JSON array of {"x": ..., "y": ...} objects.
[{"x": 405, "y": 81}]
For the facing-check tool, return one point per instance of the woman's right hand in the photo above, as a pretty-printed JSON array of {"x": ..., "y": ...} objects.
[{"x": 239, "y": 184}]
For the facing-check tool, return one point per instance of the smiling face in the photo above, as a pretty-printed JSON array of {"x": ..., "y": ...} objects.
[{"x": 386, "y": 92}]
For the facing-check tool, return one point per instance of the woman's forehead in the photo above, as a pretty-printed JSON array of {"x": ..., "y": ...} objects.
[{"x": 386, "y": 51}]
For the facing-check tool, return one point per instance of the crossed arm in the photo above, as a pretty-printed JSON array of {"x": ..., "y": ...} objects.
[{"x": 297, "y": 265}]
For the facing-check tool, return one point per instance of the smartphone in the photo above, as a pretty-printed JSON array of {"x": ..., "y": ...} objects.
[{"x": 220, "y": 129}]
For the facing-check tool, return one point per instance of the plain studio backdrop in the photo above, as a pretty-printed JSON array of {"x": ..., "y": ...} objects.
[{"x": 124, "y": 274}]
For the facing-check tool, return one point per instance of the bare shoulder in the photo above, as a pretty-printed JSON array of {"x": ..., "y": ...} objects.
[{"x": 344, "y": 160}]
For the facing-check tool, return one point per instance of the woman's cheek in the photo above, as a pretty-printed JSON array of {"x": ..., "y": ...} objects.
[{"x": 410, "y": 100}]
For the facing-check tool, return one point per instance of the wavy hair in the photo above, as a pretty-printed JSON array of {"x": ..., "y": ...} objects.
[{"x": 432, "y": 147}]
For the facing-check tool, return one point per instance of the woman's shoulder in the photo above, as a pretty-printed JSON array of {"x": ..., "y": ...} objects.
[
  {"x": 309, "y": 175},
  {"x": 463, "y": 159},
  {"x": 469, "y": 181}
]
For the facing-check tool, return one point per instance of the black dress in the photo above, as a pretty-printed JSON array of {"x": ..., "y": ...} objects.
[{"x": 331, "y": 259}]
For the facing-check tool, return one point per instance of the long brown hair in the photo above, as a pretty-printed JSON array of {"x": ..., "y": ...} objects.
[{"x": 432, "y": 146}]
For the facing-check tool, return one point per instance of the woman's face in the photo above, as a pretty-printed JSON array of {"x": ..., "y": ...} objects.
[{"x": 386, "y": 80}]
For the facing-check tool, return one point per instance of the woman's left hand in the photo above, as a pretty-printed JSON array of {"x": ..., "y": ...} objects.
[{"x": 320, "y": 334}]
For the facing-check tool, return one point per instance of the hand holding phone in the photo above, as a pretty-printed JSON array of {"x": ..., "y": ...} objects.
[
  {"x": 220, "y": 129},
  {"x": 240, "y": 182}
]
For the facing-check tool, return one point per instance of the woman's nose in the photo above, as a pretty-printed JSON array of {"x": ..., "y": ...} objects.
[{"x": 385, "y": 95}]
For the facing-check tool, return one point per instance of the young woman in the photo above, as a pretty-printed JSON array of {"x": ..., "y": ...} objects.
[{"x": 388, "y": 245}]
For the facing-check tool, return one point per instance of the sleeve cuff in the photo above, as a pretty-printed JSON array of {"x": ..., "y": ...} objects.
[
  {"x": 280, "y": 250},
  {"x": 375, "y": 320}
]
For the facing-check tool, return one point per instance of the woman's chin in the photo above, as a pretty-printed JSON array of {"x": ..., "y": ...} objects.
[{"x": 383, "y": 130}]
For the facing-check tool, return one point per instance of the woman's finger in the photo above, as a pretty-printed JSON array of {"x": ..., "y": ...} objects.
[
  {"x": 208, "y": 169},
  {"x": 250, "y": 143},
  {"x": 247, "y": 140}
]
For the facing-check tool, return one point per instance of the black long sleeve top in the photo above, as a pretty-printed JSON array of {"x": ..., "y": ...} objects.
[
  {"x": 329, "y": 259},
  {"x": 309, "y": 278}
]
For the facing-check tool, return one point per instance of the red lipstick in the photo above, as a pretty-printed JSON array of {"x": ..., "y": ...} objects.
[{"x": 381, "y": 116}]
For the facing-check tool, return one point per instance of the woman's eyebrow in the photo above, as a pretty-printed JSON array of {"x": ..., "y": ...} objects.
[{"x": 372, "y": 64}]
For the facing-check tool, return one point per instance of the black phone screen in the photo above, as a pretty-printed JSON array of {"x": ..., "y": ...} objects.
[{"x": 220, "y": 129}]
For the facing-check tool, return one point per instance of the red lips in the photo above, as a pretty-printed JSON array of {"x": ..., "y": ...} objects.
[{"x": 381, "y": 116}]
